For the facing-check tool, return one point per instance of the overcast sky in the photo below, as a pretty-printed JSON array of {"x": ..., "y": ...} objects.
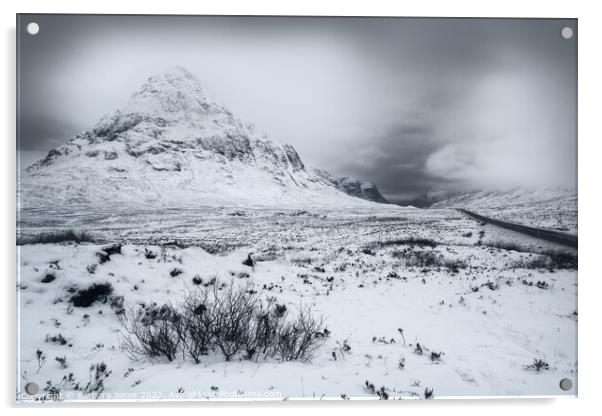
[{"x": 410, "y": 104}]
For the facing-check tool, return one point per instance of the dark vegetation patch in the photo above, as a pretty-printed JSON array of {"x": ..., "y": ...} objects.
[
  {"x": 176, "y": 271},
  {"x": 48, "y": 277},
  {"x": 538, "y": 365},
  {"x": 105, "y": 252},
  {"x": 428, "y": 393},
  {"x": 505, "y": 245},
  {"x": 381, "y": 392},
  {"x": 86, "y": 297},
  {"x": 116, "y": 303},
  {"x": 114, "y": 248},
  {"x": 544, "y": 259},
  {"x": 56, "y": 237},
  {"x": 103, "y": 256},
  {"x": 550, "y": 260},
  {"x": 98, "y": 374},
  {"x": 56, "y": 339},
  {"x": 410, "y": 241},
  {"x": 428, "y": 259}
]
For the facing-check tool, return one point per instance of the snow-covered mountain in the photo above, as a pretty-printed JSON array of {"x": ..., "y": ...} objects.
[
  {"x": 502, "y": 199},
  {"x": 171, "y": 146},
  {"x": 353, "y": 186}
]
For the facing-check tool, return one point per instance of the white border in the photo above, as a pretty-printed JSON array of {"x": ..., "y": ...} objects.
[{"x": 590, "y": 94}]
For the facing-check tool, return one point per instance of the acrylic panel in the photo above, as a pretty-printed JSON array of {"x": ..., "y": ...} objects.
[{"x": 271, "y": 208}]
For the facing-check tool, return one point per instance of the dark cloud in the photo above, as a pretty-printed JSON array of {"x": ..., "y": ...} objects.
[
  {"x": 396, "y": 161},
  {"x": 408, "y": 103},
  {"x": 46, "y": 130}
]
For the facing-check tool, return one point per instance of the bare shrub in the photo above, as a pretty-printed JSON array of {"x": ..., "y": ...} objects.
[
  {"x": 234, "y": 309},
  {"x": 428, "y": 393},
  {"x": 264, "y": 329},
  {"x": 233, "y": 320},
  {"x": 538, "y": 365},
  {"x": 62, "y": 361},
  {"x": 155, "y": 331},
  {"x": 299, "y": 339},
  {"x": 98, "y": 374},
  {"x": 94, "y": 387},
  {"x": 198, "y": 320}
]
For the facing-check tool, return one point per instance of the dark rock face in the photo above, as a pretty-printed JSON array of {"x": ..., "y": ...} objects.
[
  {"x": 360, "y": 189},
  {"x": 50, "y": 157},
  {"x": 232, "y": 146},
  {"x": 353, "y": 187},
  {"x": 293, "y": 157}
]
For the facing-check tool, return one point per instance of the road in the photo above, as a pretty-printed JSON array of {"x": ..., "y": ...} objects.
[{"x": 565, "y": 239}]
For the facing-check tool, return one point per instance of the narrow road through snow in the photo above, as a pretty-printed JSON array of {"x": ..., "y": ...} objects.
[{"x": 566, "y": 239}]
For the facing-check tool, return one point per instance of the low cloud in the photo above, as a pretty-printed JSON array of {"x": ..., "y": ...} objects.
[{"x": 409, "y": 104}]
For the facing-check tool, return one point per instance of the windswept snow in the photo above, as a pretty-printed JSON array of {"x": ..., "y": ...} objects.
[{"x": 490, "y": 311}]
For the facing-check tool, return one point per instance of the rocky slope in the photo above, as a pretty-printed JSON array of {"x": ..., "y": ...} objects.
[
  {"x": 171, "y": 146},
  {"x": 353, "y": 186}
]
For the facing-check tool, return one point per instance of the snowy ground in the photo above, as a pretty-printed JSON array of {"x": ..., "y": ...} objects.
[
  {"x": 550, "y": 217},
  {"x": 552, "y": 208},
  {"x": 481, "y": 306}
]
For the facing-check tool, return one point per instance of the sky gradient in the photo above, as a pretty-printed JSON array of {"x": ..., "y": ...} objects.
[{"x": 410, "y": 104}]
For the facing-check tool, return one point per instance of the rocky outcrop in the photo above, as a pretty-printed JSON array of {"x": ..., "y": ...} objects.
[{"x": 353, "y": 187}]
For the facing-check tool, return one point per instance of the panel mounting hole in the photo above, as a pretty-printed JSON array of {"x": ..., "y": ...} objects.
[
  {"x": 566, "y": 32},
  {"x": 566, "y": 384},
  {"x": 32, "y": 388},
  {"x": 33, "y": 28}
]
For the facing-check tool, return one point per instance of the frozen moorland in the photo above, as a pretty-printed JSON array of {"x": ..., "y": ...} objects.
[
  {"x": 173, "y": 252},
  {"x": 413, "y": 301},
  {"x": 546, "y": 207}
]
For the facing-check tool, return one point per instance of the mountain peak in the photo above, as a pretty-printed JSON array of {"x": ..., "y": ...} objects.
[
  {"x": 173, "y": 91},
  {"x": 169, "y": 145}
]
